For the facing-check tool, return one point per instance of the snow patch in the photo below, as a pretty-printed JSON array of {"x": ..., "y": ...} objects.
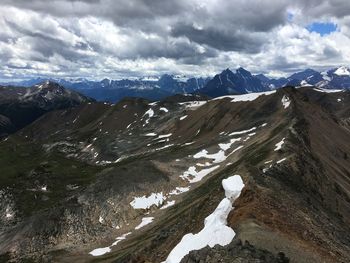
[
  {"x": 242, "y": 132},
  {"x": 163, "y": 109},
  {"x": 168, "y": 204},
  {"x": 215, "y": 231},
  {"x": 282, "y": 160},
  {"x": 246, "y": 97},
  {"x": 145, "y": 221},
  {"x": 192, "y": 176},
  {"x": 163, "y": 136},
  {"x": 119, "y": 239},
  {"x": 183, "y": 117},
  {"x": 285, "y": 101},
  {"x": 325, "y": 76},
  {"x": 226, "y": 146},
  {"x": 150, "y": 114},
  {"x": 179, "y": 190},
  {"x": 279, "y": 145},
  {"x": 304, "y": 83},
  {"x": 193, "y": 104},
  {"x": 144, "y": 202},
  {"x": 151, "y": 134},
  {"x": 100, "y": 251},
  {"x": 218, "y": 157},
  {"x": 342, "y": 71},
  {"x": 328, "y": 90},
  {"x": 104, "y": 250}
]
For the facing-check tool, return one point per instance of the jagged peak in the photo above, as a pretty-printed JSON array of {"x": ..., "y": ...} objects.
[{"x": 243, "y": 71}]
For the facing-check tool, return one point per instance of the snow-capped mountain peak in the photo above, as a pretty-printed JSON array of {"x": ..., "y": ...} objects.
[{"x": 342, "y": 71}]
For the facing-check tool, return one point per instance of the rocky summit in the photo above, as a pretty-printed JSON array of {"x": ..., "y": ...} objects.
[{"x": 258, "y": 177}]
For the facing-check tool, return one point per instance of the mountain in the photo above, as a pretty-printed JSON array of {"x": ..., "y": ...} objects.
[
  {"x": 337, "y": 78},
  {"x": 227, "y": 82},
  {"x": 262, "y": 78},
  {"x": 272, "y": 84},
  {"x": 259, "y": 177},
  {"x": 152, "y": 88},
  {"x": 20, "y": 106}
]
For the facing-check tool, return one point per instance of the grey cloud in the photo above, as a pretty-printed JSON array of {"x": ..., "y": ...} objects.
[
  {"x": 331, "y": 53},
  {"x": 324, "y": 8},
  {"x": 208, "y": 34},
  {"x": 225, "y": 40},
  {"x": 47, "y": 45},
  {"x": 281, "y": 62}
]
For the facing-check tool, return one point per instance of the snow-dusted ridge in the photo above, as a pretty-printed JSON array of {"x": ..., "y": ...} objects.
[
  {"x": 206, "y": 164},
  {"x": 215, "y": 231}
]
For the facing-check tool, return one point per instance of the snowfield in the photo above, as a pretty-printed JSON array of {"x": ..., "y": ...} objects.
[
  {"x": 215, "y": 231},
  {"x": 246, "y": 97},
  {"x": 144, "y": 202}
]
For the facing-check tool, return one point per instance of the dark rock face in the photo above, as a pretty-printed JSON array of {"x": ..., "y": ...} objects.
[
  {"x": 227, "y": 82},
  {"x": 236, "y": 252}
]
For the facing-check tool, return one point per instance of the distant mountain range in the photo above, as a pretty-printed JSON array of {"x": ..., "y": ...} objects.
[
  {"x": 152, "y": 88},
  {"x": 227, "y": 82}
]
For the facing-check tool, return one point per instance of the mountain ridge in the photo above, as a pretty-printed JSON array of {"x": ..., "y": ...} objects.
[
  {"x": 238, "y": 82},
  {"x": 86, "y": 166}
]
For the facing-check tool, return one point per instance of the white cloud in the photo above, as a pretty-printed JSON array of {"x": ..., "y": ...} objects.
[{"x": 133, "y": 38}]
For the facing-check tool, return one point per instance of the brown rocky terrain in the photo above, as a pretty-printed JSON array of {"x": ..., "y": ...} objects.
[{"x": 70, "y": 179}]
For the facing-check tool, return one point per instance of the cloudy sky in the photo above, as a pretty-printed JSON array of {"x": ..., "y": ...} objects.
[{"x": 130, "y": 38}]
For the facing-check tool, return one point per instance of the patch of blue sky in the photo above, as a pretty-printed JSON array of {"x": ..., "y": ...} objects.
[{"x": 322, "y": 28}]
